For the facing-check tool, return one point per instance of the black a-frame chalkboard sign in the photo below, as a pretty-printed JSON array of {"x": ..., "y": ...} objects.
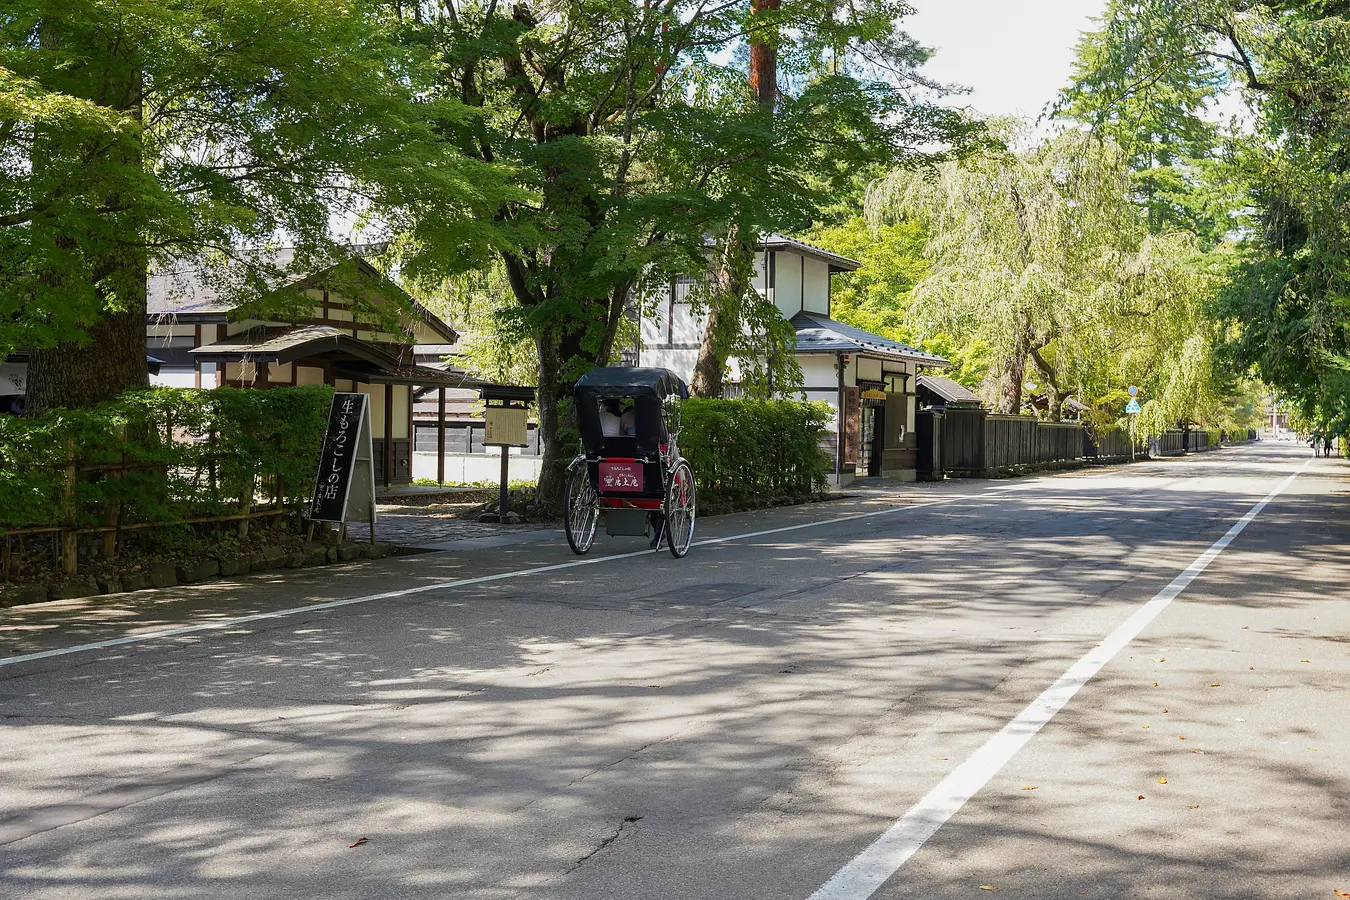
[{"x": 346, "y": 478}]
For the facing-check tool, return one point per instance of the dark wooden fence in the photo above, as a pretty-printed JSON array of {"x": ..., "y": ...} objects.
[
  {"x": 1109, "y": 444},
  {"x": 961, "y": 441},
  {"x": 1169, "y": 443}
]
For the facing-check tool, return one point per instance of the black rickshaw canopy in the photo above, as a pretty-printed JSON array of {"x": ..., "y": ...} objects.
[
  {"x": 614, "y": 382},
  {"x": 648, "y": 388}
]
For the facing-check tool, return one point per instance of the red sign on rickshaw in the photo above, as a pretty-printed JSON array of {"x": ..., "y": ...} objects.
[{"x": 621, "y": 476}]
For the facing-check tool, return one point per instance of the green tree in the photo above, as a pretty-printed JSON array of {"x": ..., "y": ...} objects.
[
  {"x": 1282, "y": 309},
  {"x": 138, "y": 130},
  {"x": 638, "y": 138},
  {"x": 1041, "y": 257}
]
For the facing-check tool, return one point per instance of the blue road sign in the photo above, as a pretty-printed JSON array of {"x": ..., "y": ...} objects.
[{"x": 1133, "y": 407}]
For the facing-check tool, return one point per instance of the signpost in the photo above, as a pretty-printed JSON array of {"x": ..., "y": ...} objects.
[
  {"x": 505, "y": 427},
  {"x": 1133, "y": 409},
  {"x": 346, "y": 477}
]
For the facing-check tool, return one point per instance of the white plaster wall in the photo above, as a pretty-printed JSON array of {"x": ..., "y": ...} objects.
[
  {"x": 817, "y": 288},
  {"x": 179, "y": 378},
  {"x": 686, "y": 327},
  {"x": 681, "y": 362},
  {"x": 652, "y": 327},
  {"x": 787, "y": 283},
  {"x": 469, "y": 468}
]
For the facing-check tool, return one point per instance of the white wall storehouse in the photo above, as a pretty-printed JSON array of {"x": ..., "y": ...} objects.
[{"x": 867, "y": 380}]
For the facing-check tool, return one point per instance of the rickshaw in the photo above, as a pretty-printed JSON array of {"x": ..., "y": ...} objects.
[{"x": 639, "y": 478}]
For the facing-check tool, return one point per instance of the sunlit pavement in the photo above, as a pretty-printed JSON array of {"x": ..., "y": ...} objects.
[{"x": 737, "y": 724}]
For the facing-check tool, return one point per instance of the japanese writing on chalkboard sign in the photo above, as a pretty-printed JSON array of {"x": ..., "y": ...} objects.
[{"x": 344, "y": 445}]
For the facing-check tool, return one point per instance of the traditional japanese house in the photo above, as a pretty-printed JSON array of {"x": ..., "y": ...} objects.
[
  {"x": 868, "y": 380},
  {"x": 349, "y": 326}
]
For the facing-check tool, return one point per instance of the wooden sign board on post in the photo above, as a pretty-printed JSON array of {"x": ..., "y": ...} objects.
[
  {"x": 504, "y": 426},
  {"x": 346, "y": 477}
]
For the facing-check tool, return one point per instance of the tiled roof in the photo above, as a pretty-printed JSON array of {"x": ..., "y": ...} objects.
[
  {"x": 948, "y": 390},
  {"x": 187, "y": 287},
  {"x": 837, "y": 263},
  {"x": 817, "y": 333}
]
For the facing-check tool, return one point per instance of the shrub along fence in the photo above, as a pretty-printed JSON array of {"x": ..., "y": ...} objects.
[
  {"x": 90, "y": 479},
  {"x": 748, "y": 453}
]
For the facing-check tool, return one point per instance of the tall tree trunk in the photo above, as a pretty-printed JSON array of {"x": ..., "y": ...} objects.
[
  {"x": 1012, "y": 372},
  {"x": 75, "y": 374},
  {"x": 1054, "y": 394},
  {"x": 557, "y": 422},
  {"x": 724, "y": 320},
  {"x": 763, "y": 56},
  {"x": 71, "y": 375}
]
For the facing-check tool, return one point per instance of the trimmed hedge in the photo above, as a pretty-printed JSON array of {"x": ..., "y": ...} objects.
[
  {"x": 749, "y": 453},
  {"x": 161, "y": 456}
]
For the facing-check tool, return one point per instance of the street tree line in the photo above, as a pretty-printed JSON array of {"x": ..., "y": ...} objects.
[
  {"x": 540, "y": 167},
  {"x": 576, "y": 149},
  {"x": 1184, "y": 231}
]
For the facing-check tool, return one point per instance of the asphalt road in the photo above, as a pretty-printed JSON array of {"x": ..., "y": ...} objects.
[{"x": 743, "y": 723}]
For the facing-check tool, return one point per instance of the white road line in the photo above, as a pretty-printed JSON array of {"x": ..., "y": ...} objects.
[
  {"x": 219, "y": 624},
  {"x": 871, "y": 868}
]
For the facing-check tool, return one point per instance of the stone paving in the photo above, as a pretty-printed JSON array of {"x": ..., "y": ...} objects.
[{"x": 429, "y": 521}]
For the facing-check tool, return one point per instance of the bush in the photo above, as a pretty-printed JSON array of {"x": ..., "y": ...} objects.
[
  {"x": 748, "y": 453},
  {"x": 162, "y": 455}
]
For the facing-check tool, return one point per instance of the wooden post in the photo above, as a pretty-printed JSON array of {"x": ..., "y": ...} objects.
[
  {"x": 70, "y": 557},
  {"x": 440, "y": 437},
  {"x": 388, "y": 434},
  {"x": 114, "y": 508},
  {"x": 504, "y": 497},
  {"x": 246, "y": 503}
]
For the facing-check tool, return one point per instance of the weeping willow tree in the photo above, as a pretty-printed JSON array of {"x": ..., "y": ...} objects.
[{"x": 1041, "y": 255}]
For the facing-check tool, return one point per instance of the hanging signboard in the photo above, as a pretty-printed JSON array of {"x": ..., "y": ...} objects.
[{"x": 346, "y": 478}]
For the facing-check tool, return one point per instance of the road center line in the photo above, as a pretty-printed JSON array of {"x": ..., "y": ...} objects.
[
  {"x": 870, "y": 869},
  {"x": 219, "y": 624}
]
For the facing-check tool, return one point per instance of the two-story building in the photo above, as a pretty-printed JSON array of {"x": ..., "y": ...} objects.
[{"x": 869, "y": 381}]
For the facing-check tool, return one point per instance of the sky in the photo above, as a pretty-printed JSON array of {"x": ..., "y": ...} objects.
[{"x": 1014, "y": 54}]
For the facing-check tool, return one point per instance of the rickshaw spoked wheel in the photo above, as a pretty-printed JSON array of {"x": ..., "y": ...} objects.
[
  {"x": 680, "y": 507},
  {"x": 582, "y": 511}
]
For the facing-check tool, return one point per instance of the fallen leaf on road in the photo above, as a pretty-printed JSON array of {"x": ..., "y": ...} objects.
[
  {"x": 1198, "y": 751},
  {"x": 1163, "y": 659},
  {"x": 1164, "y": 710},
  {"x": 1141, "y": 797},
  {"x": 1155, "y": 684},
  {"x": 1181, "y": 737},
  {"x": 1244, "y": 627},
  {"x": 1341, "y": 894},
  {"x": 1162, "y": 780},
  {"x": 1093, "y": 734},
  {"x": 1143, "y": 726},
  {"x": 1251, "y": 668},
  {"x": 357, "y": 843},
  {"x": 942, "y": 757},
  {"x": 1214, "y": 684},
  {"x": 1316, "y": 749},
  {"x": 1194, "y": 806},
  {"x": 988, "y": 887},
  {"x": 1305, "y": 660},
  {"x": 1028, "y": 787}
]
